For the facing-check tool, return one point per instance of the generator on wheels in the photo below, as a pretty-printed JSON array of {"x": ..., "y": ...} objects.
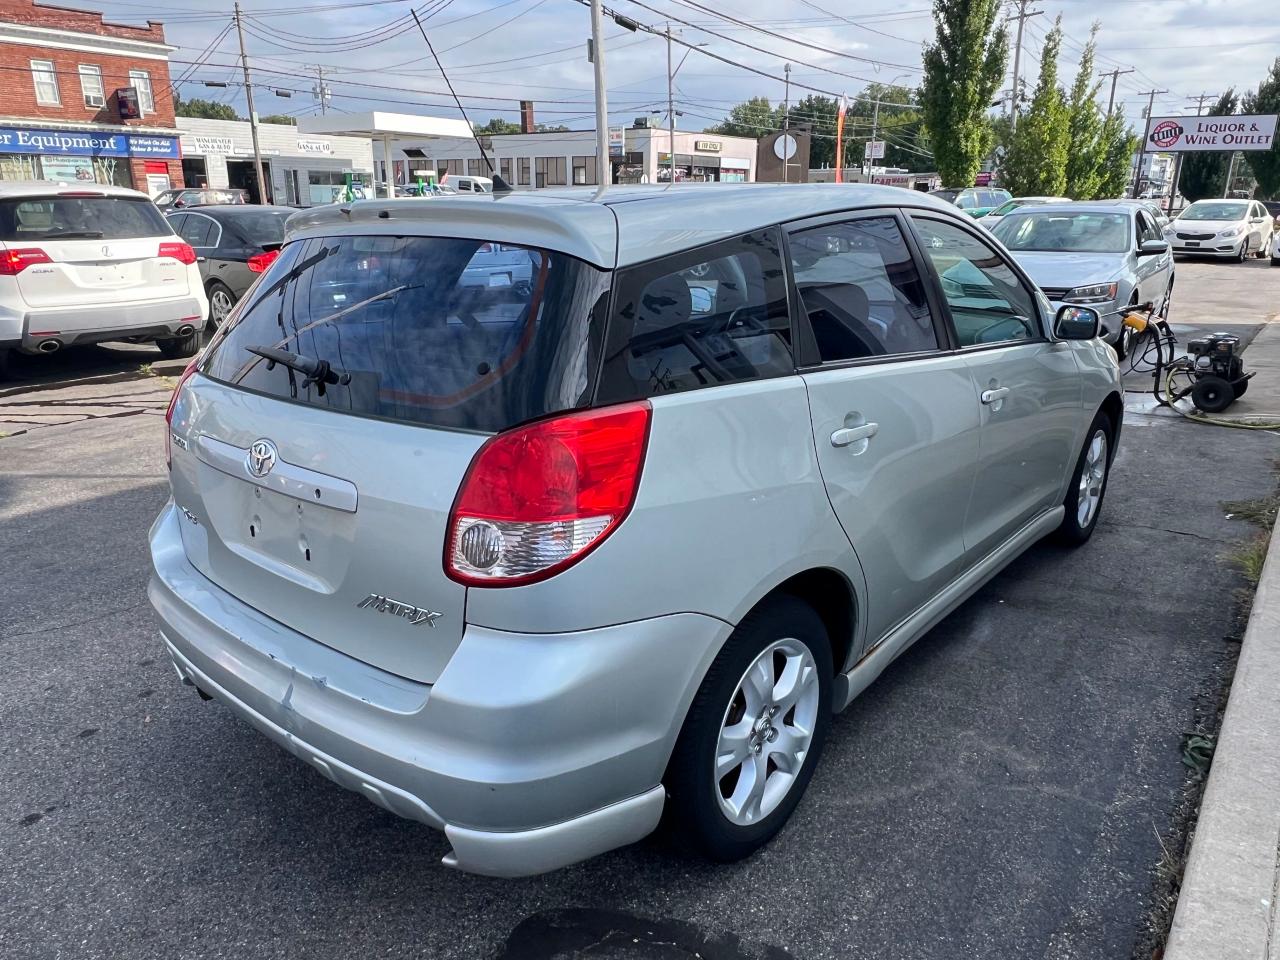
[{"x": 1211, "y": 373}]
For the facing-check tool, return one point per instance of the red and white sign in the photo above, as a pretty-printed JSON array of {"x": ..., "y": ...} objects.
[{"x": 1194, "y": 134}]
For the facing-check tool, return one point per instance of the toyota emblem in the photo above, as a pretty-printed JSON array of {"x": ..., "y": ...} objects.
[{"x": 261, "y": 458}]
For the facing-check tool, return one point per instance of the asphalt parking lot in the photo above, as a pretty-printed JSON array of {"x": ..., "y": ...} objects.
[{"x": 998, "y": 793}]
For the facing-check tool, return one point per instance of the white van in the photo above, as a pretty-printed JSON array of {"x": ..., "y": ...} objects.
[{"x": 470, "y": 184}]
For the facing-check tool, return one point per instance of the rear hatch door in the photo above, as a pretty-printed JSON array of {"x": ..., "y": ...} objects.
[{"x": 328, "y": 509}]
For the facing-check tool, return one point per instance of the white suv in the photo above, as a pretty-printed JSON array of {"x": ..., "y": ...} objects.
[{"x": 85, "y": 264}]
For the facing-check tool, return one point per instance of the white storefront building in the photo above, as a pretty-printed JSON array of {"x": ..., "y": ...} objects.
[
  {"x": 529, "y": 161},
  {"x": 301, "y": 169}
]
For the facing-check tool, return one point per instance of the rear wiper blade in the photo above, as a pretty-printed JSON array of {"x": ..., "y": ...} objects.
[
  {"x": 73, "y": 235},
  {"x": 319, "y": 372}
]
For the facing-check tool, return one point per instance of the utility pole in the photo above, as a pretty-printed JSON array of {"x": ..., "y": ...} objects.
[
  {"x": 1177, "y": 161},
  {"x": 253, "y": 114},
  {"x": 786, "y": 126},
  {"x": 1231, "y": 176},
  {"x": 671, "y": 109},
  {"x": 1022, "y": 16},
  {"x": 602, "y": 105},
  {"x": 875, "y": 127},
  {"x": 1114, "y": 75},
  {"x": 1142, "y": 152},
  {"x": 321, "y": 89}
]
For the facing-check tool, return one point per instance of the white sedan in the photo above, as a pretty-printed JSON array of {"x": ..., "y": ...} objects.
[{"x": 1235, "y": 229}]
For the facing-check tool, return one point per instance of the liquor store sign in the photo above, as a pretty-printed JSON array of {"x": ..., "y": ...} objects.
[{"x": 1194, "y": 134}]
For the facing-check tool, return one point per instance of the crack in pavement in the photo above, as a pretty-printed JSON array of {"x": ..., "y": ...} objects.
[{"x": 1180, "y": 533}]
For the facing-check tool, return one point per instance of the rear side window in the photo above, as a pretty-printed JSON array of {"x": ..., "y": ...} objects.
[
  {"x": 259, "y": 226},
  {"x": 713, "y": 315},
  {"x": 861, "y": 291},
  {"x": 80, "y": 218},
  {"x": 442, "y": 332}
]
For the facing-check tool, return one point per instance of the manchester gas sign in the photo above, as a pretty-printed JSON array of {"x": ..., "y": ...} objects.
[{"x": 1191, "y": 134}]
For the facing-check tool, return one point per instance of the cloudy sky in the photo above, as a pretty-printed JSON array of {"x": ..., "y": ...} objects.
[{"x": 500, "y": 51}]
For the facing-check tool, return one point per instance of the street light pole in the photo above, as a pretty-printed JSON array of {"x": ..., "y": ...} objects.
[
  {"x": 671, "y": 109},
  {"x": 1142, "y": 153},
  {"x": 253, "y": 114},
  {"x": 602, "y": 105}
]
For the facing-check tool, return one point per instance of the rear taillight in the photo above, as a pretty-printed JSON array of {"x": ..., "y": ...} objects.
[
  {"x": 173, "y": 402},
  {"x": 539, "y": 498},
  {"x": 182, "y": 252},
  {"x": 13, "y": 262},
  {"x": 260, "y": 261}
]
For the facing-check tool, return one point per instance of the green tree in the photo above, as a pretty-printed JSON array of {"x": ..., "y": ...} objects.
[
  {"x": 497, "y": 126},
  {"x": 963, "y": 68},
  {"x": 1036, "y": 161},
  {"x": 819, "y": 113},
  {"x": 1116, "y": 164},
  {"x": 754, "y": 119},
  {"x": 279, "y": 118},
  {"x": 1086, "y": 147},
  {"x": 207, "y": 109},
  {"x": 1265, "y": 164},
  {"x": 1204, "y": 174}
]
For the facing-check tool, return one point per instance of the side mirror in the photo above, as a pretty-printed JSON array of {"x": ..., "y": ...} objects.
[
  {"x": 1078, "y": 323},
  {"x": 1153, "y": 248}
]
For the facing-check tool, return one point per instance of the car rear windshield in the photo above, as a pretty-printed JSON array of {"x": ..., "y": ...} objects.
[
  {"x": 462, "y": 334},
  {"x": 261, "y": 226},
  {"x": 1046, "y": 229},
  {"x": 80, "y": 218}
]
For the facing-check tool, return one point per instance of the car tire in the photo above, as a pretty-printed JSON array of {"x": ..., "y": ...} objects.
[
  {"x": 1167, "y": 303},
  {"x": 1212, "y": 394},
  {"x": 175, "y": 347},
  {"x": 783, "y": 639},
  {"x": 1243, "y": 255},
  {"x": 221, "y": 300},
  {"x": 4, "y": 365},
  {"x": 1083, "y": 502}
]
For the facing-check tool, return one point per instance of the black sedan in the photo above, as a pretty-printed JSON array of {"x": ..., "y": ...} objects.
[{"x": 234, "y": 243}]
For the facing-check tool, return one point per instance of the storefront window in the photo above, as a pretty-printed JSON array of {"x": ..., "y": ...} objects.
[
  {"x": 524, "y": 171},
  {"x": 584, "y": 170},
  {"x": 550, "y": 171},
  {"x": 504, "y": 168}
]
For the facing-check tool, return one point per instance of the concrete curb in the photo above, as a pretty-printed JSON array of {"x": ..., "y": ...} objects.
[{"x": 1227, "y": 908}]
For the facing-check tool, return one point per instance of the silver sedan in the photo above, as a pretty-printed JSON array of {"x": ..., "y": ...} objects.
[{"x": 1105, "y": 255}]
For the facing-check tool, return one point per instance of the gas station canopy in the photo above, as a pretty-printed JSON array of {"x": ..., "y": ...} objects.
[{"x": 386, "y": 127}]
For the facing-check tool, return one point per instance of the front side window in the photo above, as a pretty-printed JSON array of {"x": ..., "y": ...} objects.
[
  {"x": 988, "y": 302},
  {"x": 46, "y": 81},
  {"x": 1147, "y": 229},
  {"x": 861, "y": 291},
  {"x": 436, "y": 331},
  {"x": 713, "y": 315},
  {"x": 141, "y": 81}
]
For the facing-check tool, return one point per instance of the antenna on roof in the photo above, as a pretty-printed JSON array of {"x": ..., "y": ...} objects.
[{"x": 499, "y": 184}]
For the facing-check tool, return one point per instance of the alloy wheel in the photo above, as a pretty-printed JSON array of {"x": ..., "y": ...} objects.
[
  {"x": 220, "y": 304},
  {"x": 1092, "y": 476},
  {"x": 766, "y": 732}
]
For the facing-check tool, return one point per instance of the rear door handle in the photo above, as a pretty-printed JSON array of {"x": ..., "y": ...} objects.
[
  {"x": 994, "y": 395},
  {"x": 848, "y": 435}
]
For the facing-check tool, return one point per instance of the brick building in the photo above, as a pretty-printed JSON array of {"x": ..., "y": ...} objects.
[{"x": 82, "y": 99}]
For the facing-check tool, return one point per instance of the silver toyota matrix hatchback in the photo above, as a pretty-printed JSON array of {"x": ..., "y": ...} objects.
[{"x": 542, "y": 518}]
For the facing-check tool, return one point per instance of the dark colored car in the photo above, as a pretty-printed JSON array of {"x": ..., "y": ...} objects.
[
  {"x": 199, "y": 197},
  {"x": 234, "y": 244},
  {"x": 1273, "y": 208}
]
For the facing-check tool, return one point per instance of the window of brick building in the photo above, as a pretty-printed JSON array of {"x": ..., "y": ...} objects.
[
  {"x": 91, "y": 85},
  {"x": 46, "y": 81},
  {"x": 141, "y": 80}
]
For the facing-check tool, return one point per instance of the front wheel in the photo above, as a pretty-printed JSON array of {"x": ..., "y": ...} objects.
[
  {"x": 754, "y": 732},
  {"x": 1275, "y": 261},
  {"x": 1083, "y": 502}
]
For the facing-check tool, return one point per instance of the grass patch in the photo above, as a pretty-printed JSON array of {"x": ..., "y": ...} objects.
[
  {"x": 1250, "y": 556},
  {"x": 148, "y": 371},
  {"x": 1261, "y": 511}
]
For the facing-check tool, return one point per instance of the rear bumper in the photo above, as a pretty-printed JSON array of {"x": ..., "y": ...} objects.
[
  {"x": 96, "y": 324},
  {"x": 531, "y": 751}
]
